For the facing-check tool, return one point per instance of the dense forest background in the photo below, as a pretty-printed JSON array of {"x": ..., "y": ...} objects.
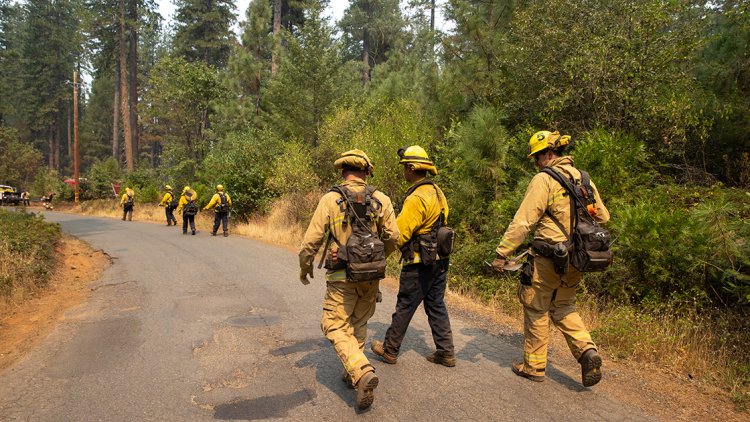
[{"x": 656, "y": 95}]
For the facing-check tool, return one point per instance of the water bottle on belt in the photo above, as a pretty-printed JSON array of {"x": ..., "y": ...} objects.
[{"x": 560, "y": 258}]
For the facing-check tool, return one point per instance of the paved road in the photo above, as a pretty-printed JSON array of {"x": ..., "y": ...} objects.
[{"x": 199, "y": 328}]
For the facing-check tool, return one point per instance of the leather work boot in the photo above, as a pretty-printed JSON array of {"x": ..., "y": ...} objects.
[
  {"x": 591, "y": 367},
  {"x": 213, "y": 233},
  {"x": 377, "y": 347},
  {"x": 366, "y": 384},
  {"x": 226, "y": 234},
  {"x": 442, "y": 359},
  {"x": 518, "y": 370},
  {"x": 347, "y": 379},
  {"x": 193, "y": 233}
]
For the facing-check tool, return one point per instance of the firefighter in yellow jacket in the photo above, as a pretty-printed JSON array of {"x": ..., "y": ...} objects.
[
  {"x": 188, "y": 204},
  {"x": 543, "y": 292},
  {"x": 423, "y": 278},
  {"x": 169, "y": 204},
  {"x": 222, "y": 202},
  {"x": 349, "y": 304},
  {"x": 127, "y": 202}
]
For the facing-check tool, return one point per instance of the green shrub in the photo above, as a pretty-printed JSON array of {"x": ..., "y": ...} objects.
[
  {"x": 101, "y": 176},
  {"x": 242, "y": 163},
  {"x": 27, "y": 251}
]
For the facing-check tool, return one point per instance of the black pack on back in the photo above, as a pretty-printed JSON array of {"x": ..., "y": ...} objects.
[
  {"x": 130, "y": 201},
  {"x": 191, "y": 208},
  {"x": 590, "y": 242},
  {"x": 364, "y": 253},
  {"x": 438, "y": 242},
  {"x": 174, "y": 203},
  {"x": 223, "y": 205}
]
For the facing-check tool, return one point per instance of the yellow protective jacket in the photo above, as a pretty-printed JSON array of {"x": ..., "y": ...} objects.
[
  {"x": 124, "y": 199},
  {"x": 544, "y": 193},
  {"x": 327, "y": 221},
  {"x": 420, "y": 212},
  {"x": 216, "y": 200},
  {"x": 183, "y": 199},
  {"x": 166, "y": 199}
]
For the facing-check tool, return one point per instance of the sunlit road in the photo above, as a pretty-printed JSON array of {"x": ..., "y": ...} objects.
[{"x": 203, "y": 328}]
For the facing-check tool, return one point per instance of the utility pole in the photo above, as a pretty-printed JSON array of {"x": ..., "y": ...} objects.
[{"x": 75, "y": 132}]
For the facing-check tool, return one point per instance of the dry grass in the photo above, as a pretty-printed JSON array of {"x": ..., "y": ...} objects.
[{"x": 19, "y": 281}]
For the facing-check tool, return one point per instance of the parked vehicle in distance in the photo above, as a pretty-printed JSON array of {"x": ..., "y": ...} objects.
[{"x": 9, "y": 195}]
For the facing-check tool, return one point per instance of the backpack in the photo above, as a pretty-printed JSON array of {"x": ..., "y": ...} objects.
[
  {"x": 191, "y": 208},
  {"x": 223, "y": 205},
  {"x": 363, "y": 256},
  {"x": 589, "y": 242},
  {"x": 174, "y": 203},
  {"x": 437, "y": 242},
  {"x": 130, "y": 201}
]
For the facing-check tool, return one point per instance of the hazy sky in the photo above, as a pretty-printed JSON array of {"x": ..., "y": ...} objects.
[{"x": 335, "y": 10}]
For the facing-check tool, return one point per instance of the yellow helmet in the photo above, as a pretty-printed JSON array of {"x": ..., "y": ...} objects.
[
  {"x": 167, "y": 187},
  {"x": 355, "y": 158},
  {"x": 417, "y": 159},
  {"x": 545, "y": 139},
  {"x": 220, "y": 188},
  {"x": 185, "y": 189}
]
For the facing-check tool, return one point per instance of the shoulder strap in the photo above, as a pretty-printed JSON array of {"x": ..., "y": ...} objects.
[
  {"x": 563, "y": 181},
  {"x": 425, "y": 181}
]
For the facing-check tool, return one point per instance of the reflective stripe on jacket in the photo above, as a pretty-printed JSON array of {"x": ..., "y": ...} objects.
[
  {"x": 544, "y": 193},
  {"x": 419, "y": 213},
  {"x": 327, "y": 220}
]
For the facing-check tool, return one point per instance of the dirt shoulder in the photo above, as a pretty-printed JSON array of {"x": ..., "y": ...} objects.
[{"x": 23, "y": 326}]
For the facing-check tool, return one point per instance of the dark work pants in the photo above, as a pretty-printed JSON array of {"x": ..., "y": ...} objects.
[
  {"x": 221, "y": 218},
  {"x": 127, "y": 210},
  {"x": 169, "y": 211},
  {"x": 421, "y": 283},
  {"x": 185, "y": 219}
]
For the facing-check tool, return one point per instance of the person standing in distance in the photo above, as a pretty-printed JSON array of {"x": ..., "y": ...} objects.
[
  {"x": 222, "y": 202},
  {"x": 189, "y": 207},
  {"x": 169, "y": 203}
]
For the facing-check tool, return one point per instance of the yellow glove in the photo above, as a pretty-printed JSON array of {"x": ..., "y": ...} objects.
[{"x": 303, "y": 275}]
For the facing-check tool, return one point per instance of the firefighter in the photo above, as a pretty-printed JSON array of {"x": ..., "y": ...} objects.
[
  {"x": 127, "y": 202},
  {"x": 544, "y": 293},
  {"x": 424, "y": 274},
  {"x": 348, "y": 303},
  {"x": 25, "y": 198},
  {"x": 222, "y": 202},
  {"x": 188, "y": 205},
  {"x": 169, "y": 203}
]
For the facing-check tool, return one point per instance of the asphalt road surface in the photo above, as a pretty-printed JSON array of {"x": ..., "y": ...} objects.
[{"x": 184, "y": 328}]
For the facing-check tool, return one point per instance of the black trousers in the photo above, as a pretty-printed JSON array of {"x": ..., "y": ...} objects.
[
  {"x": 221, "y": 218},
  {"x": 127, "y": 210},
  {"x": 426, "y": 284},
  {"x": 185, "y": 219},
  {"x": 169, "y": 211}
]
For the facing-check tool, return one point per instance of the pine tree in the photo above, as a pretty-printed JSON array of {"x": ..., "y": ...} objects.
[
  {"x": 371, "y": 29},
  {"x": 203, "y": 30},
  {"x": 248, "y": 68},
  {"x": 312, "y": 78}
]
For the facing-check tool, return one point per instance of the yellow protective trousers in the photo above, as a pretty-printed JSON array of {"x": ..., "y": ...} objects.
[
  {"x": 346, "y": 309},
  {"x": 550, "y": 296}
]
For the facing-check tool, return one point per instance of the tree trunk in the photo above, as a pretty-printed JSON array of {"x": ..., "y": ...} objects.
[
  {"x": 70, "y": 136},
  {"x": 51, "y": 142},
  {"x": 129, "y": 158},
  {"x": 276, "y": 34},
  {"x": 57, "y": 143},
  {"x": 366, "y": 46},
  {"x": 116, "y": 115},
  {"x": 133, "y": 76},
  {"x": 432, "y": 18}
]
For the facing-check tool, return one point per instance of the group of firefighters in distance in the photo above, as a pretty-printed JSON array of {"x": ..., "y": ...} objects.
[
  {"x": 356, "y": 227},
  {"x": 187, "y": 204}
]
